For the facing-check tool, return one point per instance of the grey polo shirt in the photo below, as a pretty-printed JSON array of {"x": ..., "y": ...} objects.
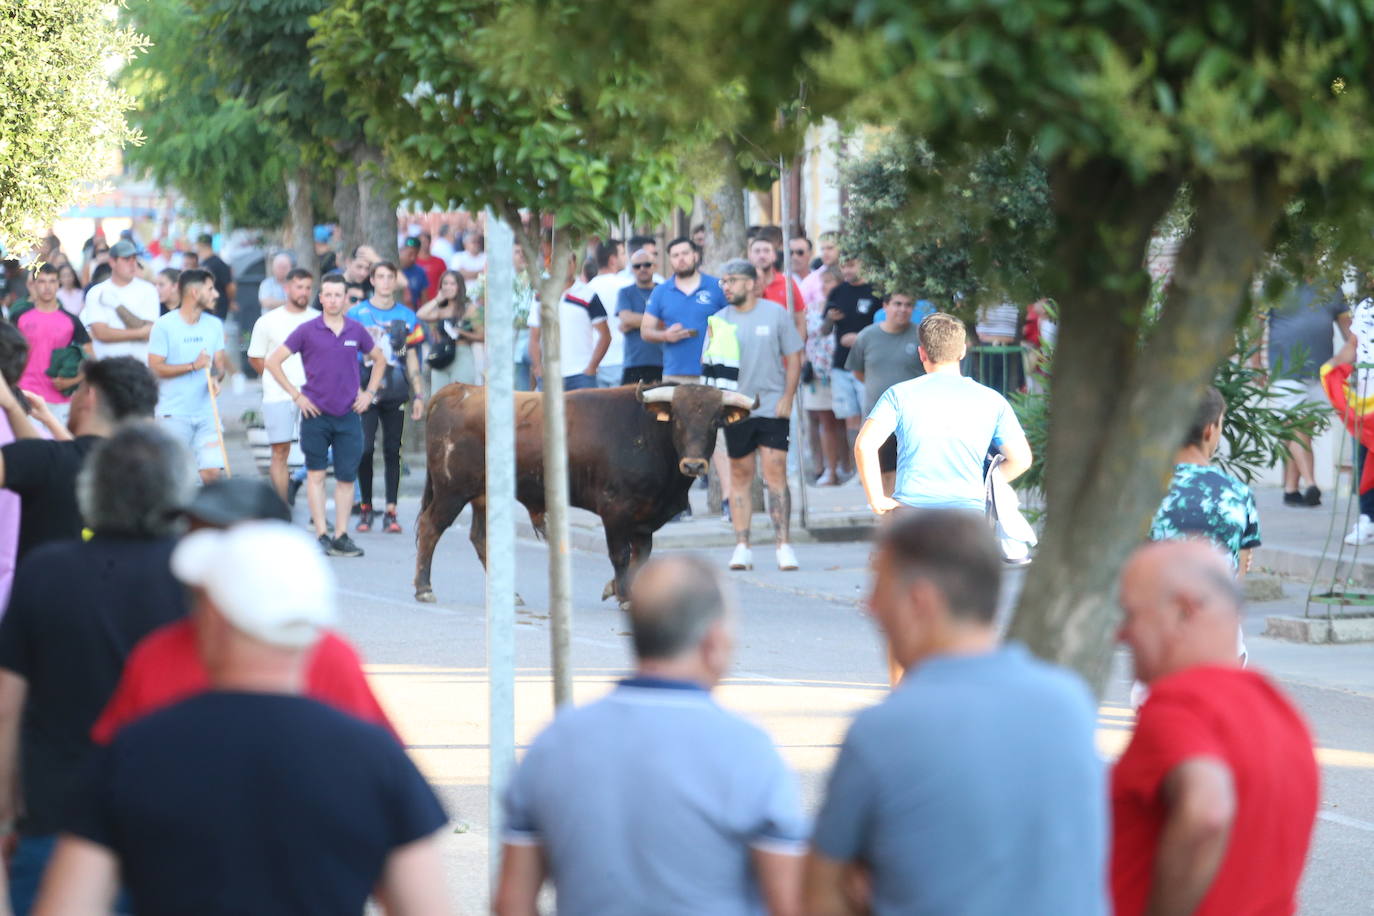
[{"x": 651, "y": 801}]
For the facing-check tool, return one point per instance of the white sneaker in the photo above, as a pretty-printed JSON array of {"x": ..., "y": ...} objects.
[
  {"x": 742, "y": 558},
  {"x": 1362, "y": 533},
  {"x": 787, "y": 559},
  {"x": 825, "y": 480}
]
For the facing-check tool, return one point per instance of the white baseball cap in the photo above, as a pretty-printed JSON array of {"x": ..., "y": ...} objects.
[{"x": 266, "y": 577}]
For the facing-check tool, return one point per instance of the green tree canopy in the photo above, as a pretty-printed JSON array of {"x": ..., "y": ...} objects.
[{"x": 61, "y": 119}]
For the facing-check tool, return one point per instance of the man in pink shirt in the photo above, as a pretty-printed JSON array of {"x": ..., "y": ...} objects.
[{"x": 48, "y": 328}]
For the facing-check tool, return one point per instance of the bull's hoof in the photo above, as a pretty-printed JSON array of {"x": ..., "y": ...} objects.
[
  {"x": 625, "y": 606},
  {"x": 608, "y": 591},
  {"x": 425, "y": 596}
]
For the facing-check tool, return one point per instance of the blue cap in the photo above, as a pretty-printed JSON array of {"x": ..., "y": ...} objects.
[{"x": 322, "y": 234}]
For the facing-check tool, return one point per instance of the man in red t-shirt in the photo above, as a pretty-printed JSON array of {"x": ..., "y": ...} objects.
[
  {"x": 772, "y": 283},
  {"x": 166, "y": 666},
  {"x": 1214, "y": 800}
]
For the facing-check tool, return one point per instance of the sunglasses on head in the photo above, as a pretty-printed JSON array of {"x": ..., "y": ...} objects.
[
  {"x": 355, "y": 298},
  {"x": 640, "y": 266}
]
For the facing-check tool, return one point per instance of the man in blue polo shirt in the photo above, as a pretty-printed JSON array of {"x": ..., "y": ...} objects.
[
  {"x": 655, "y": 799},
  {"x": 331, "y": 401},
  {"x": 677, "y": 312}
]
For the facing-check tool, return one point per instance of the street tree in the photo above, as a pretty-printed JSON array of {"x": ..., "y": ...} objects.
[
  {"x": 451, "y": 112},
  {"x": 62, "y": 122},
  {"x": 1126, "y": 104}
]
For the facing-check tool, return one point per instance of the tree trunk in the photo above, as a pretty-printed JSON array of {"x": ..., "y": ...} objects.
[
  {"x": 1123, "y": 397},
  {"x": 300, "y": 186},
  {"x": 555, "y": 451},
  {"x": 377, "y": 199},
  {"x": 346, "y": 206},
  {"x": 723, "y": 210}
]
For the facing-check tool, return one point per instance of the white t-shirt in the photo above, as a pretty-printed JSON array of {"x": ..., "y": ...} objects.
[
  {"x": 1362, "y": 326},
  {"x": 577, "y": 312},
  {"x": 466, "y": 261},
  {"x": 270, "y": 332},
  {"x": 606, "y": 288},
  {"x": 138, "y": 296}
]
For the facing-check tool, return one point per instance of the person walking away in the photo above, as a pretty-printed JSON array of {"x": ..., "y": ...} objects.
[
  {"x": 850, "y": 307},
  {"x": 65, "y": 636},
  {"x": 583, "y": 337},
  {"x": 251, "y": 774},
  {"x": 280, "y": 417},
  {"x": 166, "y": 667},
  {"x": 675, "y": 319},
  {"x": 120, "y": 311},
  {"x": 396, "y": 330},
  {"x": 43, "y": 472},
  {"x": 883, "y": 355},
  {"x": 753, "y": 347},
  {"x": 272, "y": 290},
  {"x": 975, "y": 786},
  {"x": 1300, "y": 341},
  {"x": 455, "y": 319},
  {"x": 331, "y": 402},
  {"x": 186, "y": 353},
  {"x": 416, "y": 280},
  {"x": 1215, "y": 798},
  {"x": 643, "y": 360},
  {"x": 945, "y": 425},
  {"x": 604, "y": 290},
  {"x": 58, "y": 343},
  {"x": 655, "y": 799}
]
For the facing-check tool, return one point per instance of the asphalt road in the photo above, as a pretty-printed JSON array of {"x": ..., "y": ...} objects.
[{"x": 807, "y": 658}]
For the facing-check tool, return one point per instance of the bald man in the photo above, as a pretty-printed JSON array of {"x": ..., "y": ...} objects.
[
  {"x": 655, "y": 799},
  {"x": 1214, "y": 799}
]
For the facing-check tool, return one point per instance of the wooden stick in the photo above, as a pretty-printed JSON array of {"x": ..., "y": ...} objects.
[{"x": 219, "y": 430}]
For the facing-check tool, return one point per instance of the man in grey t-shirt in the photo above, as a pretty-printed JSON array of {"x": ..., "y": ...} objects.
[
  {"x": 884, "y": 354},
  {"x": 752, "y": 346},
  {"x": 975, "y": 787},
  {"x": 1301, "y": 339},
  {"x": 655, "y": 799}
]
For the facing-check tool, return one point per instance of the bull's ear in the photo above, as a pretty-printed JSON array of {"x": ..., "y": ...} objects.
[
  {"x": 660, "y": 411},
  {"x": 735, "y": 414}
]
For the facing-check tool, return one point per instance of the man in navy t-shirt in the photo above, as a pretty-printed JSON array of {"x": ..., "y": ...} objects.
[{"x": 252, "y": 798}]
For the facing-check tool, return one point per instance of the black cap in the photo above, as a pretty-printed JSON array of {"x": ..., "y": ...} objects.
[{"x": 237, "y": 499}]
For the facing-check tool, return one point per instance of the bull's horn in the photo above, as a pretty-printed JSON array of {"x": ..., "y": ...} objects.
[
  {"x": 735, "y": 399},
  {"x": 661, "y": 394}
]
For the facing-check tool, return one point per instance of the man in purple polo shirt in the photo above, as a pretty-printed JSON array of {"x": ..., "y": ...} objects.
[{"x": 331, "y": 404}]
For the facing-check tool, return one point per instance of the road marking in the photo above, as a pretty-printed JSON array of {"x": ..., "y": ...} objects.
[{"x": 1345, "y": 821}]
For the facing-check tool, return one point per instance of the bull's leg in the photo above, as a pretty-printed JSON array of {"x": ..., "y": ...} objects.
[
  {"x": 618, "y": 544},
  {"x": 434, "y": 520},
  {"x": 641, "y": 545},
  {"x": 478, "y": 533}
]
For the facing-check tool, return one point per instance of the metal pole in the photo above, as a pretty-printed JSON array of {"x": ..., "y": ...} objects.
[
  {"x": 556, "y": 479},
  {"x": 500, "y": 524},
  {"x": 799, "y": 414}
]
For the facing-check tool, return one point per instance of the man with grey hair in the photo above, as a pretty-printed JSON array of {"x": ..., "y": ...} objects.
[
  {"x": 77, "y": 609},
  {"x": 655, "y": 799},
  {"x": 272, "y": 289},
  {"x": 753, "y": 347}
]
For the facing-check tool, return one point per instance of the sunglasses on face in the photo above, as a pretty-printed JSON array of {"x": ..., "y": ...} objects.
[
  {"x": 641, "y": 266},
  {"x": 355, "y": 298}
]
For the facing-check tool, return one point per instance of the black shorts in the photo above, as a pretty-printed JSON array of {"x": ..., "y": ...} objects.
[
  {"x": 744, "y": 437},
  {"x": 887, "y": 455},
  {"x": 631, "y": 375}
]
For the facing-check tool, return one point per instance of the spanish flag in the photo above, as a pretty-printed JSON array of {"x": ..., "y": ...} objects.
[{"x": 1355, "y": 410}]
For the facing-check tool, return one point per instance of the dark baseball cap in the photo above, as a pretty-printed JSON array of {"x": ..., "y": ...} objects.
[
  {"x": 412, "y": 242},
  {"x": 236, "y": 499},
  {"x": 123, "y": 249}
]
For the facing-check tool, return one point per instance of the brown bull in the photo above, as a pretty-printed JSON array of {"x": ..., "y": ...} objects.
[{"x": 632, "y": 456}]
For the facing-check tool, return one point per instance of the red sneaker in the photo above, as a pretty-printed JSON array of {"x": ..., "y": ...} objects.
[
  {"x": 390, "y": 524},
  {"x": 365, "y": 516}
]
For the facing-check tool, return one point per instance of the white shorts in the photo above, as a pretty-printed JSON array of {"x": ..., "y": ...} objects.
[
  {"x": 1290, "y": 394},
  {"x": 818, "y": 395},
  {"x": 846, "y": 394},
  {"x": 200, "y": 436},
  {"x": 282, "y": 421}
]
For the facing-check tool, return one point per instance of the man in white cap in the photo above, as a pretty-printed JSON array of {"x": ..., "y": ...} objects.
[{"x": 251, "y": 797}]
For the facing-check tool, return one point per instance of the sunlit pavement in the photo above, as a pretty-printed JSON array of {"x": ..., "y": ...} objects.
[{"x": 807, "y": 658}]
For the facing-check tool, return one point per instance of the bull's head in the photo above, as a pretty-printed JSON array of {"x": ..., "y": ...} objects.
[{"x": 696, "y": 412}]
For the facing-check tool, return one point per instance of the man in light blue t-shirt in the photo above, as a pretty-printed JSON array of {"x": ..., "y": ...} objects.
[
  {"x": 655, "y": 799},
  {"x": 945, "y": 426},
  {"x": 975, "y": 787},
  {"x": 183, "y": 345}
]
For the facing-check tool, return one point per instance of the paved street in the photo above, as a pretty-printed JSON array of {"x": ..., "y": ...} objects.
[{"x": 807, "y": 659}]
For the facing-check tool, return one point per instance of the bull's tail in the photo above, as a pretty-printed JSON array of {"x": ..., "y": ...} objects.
[{"x": 428, "y": 496}]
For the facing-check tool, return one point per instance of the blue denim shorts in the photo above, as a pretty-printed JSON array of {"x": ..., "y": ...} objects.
[{"x": 344, "y": 434}]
